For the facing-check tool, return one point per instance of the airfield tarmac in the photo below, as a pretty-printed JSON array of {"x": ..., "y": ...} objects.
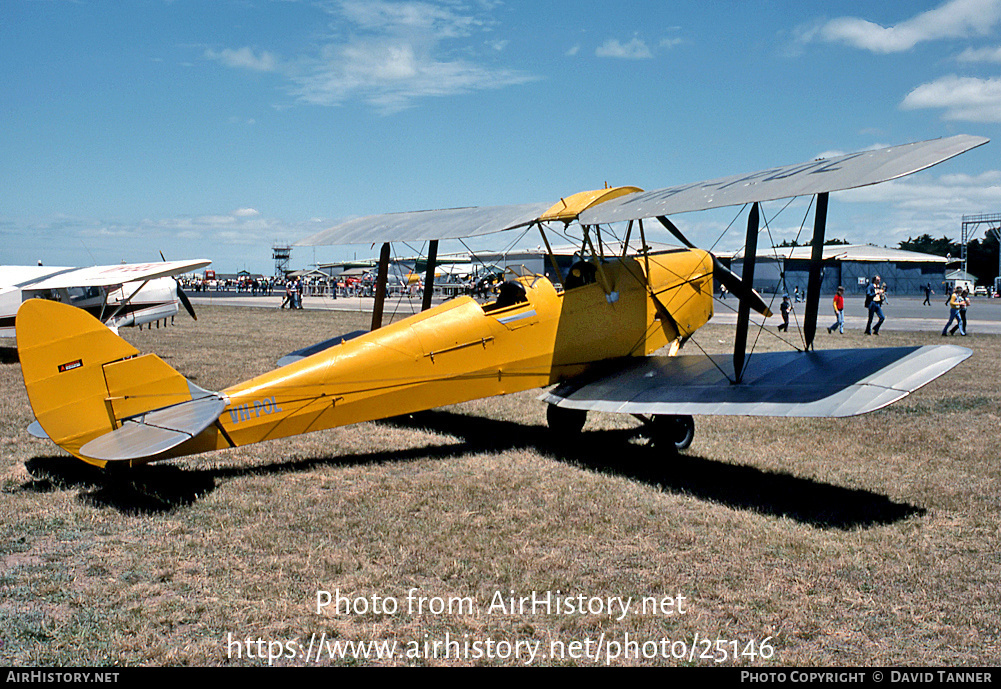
[{"x": 905, "y": 314}]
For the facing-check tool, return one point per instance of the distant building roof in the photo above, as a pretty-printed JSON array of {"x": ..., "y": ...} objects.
[
  {"x": 356, "y": 272},
  {"x": 306, "y": 272},
  {"x": 960, "y": 275},
  {"x": 849, "y": 252}
]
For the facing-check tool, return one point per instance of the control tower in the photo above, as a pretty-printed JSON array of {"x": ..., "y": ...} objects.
[{"x": 281, "y": 254}]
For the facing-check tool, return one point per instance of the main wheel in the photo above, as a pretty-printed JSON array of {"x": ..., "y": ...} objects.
[
  {"x": 566, "y": 421},
  {"x": 676, "y": 432}
]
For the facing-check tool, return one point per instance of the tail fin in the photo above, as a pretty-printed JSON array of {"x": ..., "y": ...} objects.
[{"x": 84, "y": 381}]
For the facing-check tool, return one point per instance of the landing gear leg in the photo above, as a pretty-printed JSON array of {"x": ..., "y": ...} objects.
[{"x": 565, "y": 421}]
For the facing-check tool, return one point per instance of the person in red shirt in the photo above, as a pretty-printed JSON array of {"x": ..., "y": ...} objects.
[{"x": 839, "y": 311}]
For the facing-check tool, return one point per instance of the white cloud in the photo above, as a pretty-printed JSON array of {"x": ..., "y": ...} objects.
[
  {"x": 230, "y": 240},
  {"x": 415, "y": 18},
  {"x": 245, "y": 58},
  {"x": 964, "y": 98},
  {"x": 991, "y": 178},
  {"x": 834, "y": 153},
  {"x": 953, "y": 19},
  {"x": 980, "y": 55},
  {"x": 391, "y": 74},
  {"x": 390, "y": 55},
  {"x": 573, "y": 51},
  {"x": 635, "y": 49},
  {"x": 951, "y": 193},
  {"x": 215, "y": 220},
  {"x": 922, "y": 204}
]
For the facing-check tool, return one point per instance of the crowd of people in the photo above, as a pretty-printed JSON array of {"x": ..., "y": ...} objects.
[
  {"x": 875, "y": 299},
  {"x": 295, "y": 288}
]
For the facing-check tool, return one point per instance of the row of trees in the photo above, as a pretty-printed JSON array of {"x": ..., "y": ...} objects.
[{"x": 981, "y": 255}]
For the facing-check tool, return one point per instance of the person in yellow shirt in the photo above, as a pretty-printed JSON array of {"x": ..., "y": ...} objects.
[
  {"x": 956, "y": 302},
  {"x": 964, "y": 303}
]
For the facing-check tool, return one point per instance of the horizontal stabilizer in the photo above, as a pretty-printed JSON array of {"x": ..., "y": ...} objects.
[
  {"x": 319, "y": 347},
  {"x": 827, "y": 383},
  {"x": 155, "y": 432}
]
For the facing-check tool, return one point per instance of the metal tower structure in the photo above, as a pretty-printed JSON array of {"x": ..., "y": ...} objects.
[
  {"x": 993, "y": 222},
  {"x": 281, "y": 254}
]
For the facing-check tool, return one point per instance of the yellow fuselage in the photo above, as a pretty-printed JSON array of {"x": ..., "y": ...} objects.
[{"x": 462, "y": 350}]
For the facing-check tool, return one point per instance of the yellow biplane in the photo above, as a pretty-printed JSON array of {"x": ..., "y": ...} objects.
[{"x": 595, "y": 338}]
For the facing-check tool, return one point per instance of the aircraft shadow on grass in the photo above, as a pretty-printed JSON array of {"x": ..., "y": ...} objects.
[
  {"x": 741, "y": 487},
  {"x": 154, "y": 489},
  {"x": 160, "y": 488}
]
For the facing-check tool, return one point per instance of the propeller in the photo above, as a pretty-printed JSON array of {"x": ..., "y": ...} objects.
[
  {"x": 723, "y": 275},
  {"x": 184, "y": 300},
  {"x": 181, "y": 295}
]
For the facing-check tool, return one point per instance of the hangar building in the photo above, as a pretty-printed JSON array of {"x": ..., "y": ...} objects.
[{"x": 849, "y": 265}]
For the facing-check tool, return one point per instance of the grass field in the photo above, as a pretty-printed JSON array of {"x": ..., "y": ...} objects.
[{"x": 867, "y": 541}]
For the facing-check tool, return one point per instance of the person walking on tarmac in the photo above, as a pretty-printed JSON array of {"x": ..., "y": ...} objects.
[
  {"x": 839, "y": 312},
  {"x": 875, "y": 297},
  {"x": 785, "y": 308},
  {"x": 956, "y": 302}
]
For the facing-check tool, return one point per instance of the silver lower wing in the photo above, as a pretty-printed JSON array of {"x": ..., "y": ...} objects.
[{"x": 828, "y": 383}]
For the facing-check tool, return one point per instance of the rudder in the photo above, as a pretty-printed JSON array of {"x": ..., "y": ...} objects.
[{"x": 83, "y": 380}]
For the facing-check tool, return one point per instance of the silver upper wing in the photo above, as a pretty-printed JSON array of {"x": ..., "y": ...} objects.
[
  {"x": 817, "y": 176},
  {"x": 417, "y": 226},
  {"x": 827, "y": 383},
  {"x": 814, "y": 177}
]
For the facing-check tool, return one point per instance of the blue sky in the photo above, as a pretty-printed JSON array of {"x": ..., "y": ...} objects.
[{"x": 215, "y": 128}]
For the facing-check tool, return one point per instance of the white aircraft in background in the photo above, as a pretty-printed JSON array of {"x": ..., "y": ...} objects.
[{"x": 117, "y": 295}]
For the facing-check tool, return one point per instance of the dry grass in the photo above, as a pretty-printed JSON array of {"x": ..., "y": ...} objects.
[{"x": 866, "y": 541}]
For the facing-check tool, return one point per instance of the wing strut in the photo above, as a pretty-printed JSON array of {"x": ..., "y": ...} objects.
[
  {"x": 625, "y": 242},
  {"x": 747, "y": 278},
  {"x": 816, "y": 263},
  {"x": 644, "y": 248},
  {"x": 606, "y": 284},
  {"x": 123, "y": 304},
  {"x": 429, "y": 275},
  {"x": 558, "y": 274},
  {"x": 380, "y": 287}
]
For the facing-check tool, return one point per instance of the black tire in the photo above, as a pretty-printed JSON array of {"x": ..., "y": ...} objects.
[
  {"x": 674, "y": 432},
  {"x": 566, "y": 421}
]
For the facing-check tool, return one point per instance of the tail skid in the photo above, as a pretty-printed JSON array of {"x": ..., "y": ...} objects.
[{"x": 96, "y": 397}]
